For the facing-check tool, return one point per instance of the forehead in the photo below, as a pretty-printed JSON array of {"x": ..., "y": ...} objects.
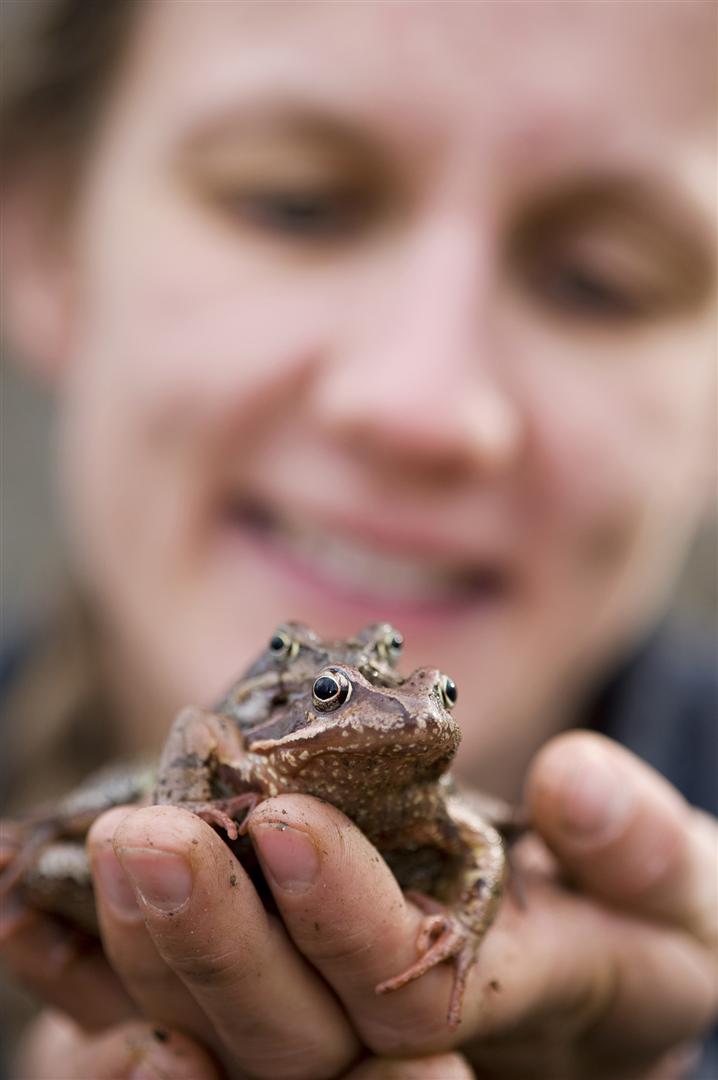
[{"x": 427, "y": 64}]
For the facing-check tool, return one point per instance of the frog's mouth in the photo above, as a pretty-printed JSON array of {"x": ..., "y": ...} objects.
[
  {"x": 365, "y": 568},
  {"x": 434, "y": 739}
]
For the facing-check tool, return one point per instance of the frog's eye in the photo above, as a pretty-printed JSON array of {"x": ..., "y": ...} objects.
[
  {"x": 391, "y": 644},
  {"x": 331, "y": 689},
  {"x": 282, "y": 645},
  {"x": 448, "y": 691}
]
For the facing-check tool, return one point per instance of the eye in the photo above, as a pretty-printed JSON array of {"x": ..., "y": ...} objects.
[
  {"x": 447, "y": 691},
  {"x": 331, "y": 689},
  {"x": 313, "y": 214},
  {"x": 282, "y": 645},
  {"x": 583, "y": 291},
  {"x": 391, "y": 644}
]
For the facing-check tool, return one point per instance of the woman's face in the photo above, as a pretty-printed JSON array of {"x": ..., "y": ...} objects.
[{"x": 395, "y": 311}]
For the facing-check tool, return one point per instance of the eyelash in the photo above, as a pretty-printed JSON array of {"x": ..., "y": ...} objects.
[
  {"x": 302, "y": 215},
  {"x": 580, "y": 291}
]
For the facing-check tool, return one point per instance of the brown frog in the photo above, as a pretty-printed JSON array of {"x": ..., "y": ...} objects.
[{"x": 334, "y": 720}]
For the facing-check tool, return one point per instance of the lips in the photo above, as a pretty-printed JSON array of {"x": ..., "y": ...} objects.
[{"x": 353, "y": 562}]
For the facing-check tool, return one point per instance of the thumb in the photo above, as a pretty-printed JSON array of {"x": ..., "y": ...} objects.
[{"x": 623, "y": 833}]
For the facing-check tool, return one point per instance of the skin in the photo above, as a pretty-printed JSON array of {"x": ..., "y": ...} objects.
[{"x": 496, "y": 354}]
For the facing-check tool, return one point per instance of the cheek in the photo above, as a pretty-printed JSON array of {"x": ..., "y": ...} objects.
[
  {"x": 183, "y": 352},
  {"x": 621, "y": 449},
  {"x": 178, "y": 361}
]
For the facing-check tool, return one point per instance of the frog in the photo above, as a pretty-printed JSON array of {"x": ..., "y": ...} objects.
[
  {"x": 293, "y": 651},
  {"x": 337, "y": 721},
  {"x": 193, "y": 763}
]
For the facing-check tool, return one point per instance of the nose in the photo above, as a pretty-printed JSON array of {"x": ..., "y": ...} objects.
[{"x": 418, "y": 384}]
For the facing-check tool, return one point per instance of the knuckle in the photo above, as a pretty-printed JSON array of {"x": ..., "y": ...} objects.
[
  {"x": 207, "y": 967},
  {"x": 403, "y": 1032},
  {"x": 334, "y": 945}
]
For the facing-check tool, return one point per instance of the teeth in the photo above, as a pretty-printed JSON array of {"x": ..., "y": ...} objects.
[
  {"x": 353, "y": 565},
  {"x": 403, "y": 577}
]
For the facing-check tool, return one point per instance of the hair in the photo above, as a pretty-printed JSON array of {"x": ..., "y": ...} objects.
[{"x": 60, "y": 59}]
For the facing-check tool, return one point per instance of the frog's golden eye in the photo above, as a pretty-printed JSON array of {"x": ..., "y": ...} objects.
[
  {"x": 448, "y": 691},
  {"x": 391, "y": 644},
  {"x": 331, "y": 689},
  {"x": 282, "y": 645}
]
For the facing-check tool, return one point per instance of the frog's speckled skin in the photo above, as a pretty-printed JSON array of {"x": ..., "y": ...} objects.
[{"x": 379, "y": 752}]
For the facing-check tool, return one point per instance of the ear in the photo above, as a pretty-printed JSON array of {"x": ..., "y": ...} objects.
[{"x": 36, "y": 296}]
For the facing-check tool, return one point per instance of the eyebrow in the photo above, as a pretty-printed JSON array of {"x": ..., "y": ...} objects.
[
  {"x": 281, "y": 118},
  {"x": 657, "y": 203}
]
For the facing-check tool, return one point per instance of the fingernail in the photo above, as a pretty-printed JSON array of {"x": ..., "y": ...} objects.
[
  {"x": 288, "y": 855},
  {"x": 597, "y": 798},
  {"x": 163, "y": 879},
  {"x": 116, "y": 889}
]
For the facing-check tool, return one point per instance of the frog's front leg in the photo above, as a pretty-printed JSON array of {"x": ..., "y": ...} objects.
[
  {"x": 454, "y": 930},
  {"x": 69, "y": 819},
  {"x": 201, "y": 747}
]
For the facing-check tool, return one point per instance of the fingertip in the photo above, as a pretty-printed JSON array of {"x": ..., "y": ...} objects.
[
  {"x": 55, "y": 1046},
  {"x": 433, "y": 1067},
  {"x": 578, "y": 790},
  {"x": 101, "y": 832},
  {"x": 158, "y": 1052},
  {"x": 620, "y": 829}
]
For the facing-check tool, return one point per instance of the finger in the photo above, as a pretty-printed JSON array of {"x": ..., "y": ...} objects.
[
  {"x": 639, "y": 987},
  {"x": 345, "y": 911},
  {"x": 270, "y": 1009},
  {"x": 436, "y": 1067},
  {"x": 156, "y": 989},
  {"x": 63, "y": 967},
  {"x": 624, "y": 834},
  {"x": 56, "y": 1049},
  {"x": 622, "y": 987}
]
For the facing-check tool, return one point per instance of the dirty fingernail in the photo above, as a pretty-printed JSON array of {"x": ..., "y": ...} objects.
[
  {"x": 163, "y": 879},
  {"x": 288, "y": 855}
]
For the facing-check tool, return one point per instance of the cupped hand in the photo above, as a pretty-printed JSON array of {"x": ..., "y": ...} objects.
[
  {"x": 610, "y": 976},
  {"x": 56, "y": 1048}
]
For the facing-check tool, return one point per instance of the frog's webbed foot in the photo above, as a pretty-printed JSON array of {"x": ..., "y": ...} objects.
[{"x": 442, "y": 936}]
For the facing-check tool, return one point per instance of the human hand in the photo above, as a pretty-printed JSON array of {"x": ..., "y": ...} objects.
[
  {"x": 603, "y": 983},
  {"x": 56, "y": 1048},
  {"x": 70, "y": 971}
]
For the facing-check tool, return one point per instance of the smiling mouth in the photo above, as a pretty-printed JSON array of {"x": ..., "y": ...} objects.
[{"x": 365, "y": 571}]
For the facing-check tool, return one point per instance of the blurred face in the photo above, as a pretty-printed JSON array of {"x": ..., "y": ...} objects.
[{"x": 397, "y": 311}]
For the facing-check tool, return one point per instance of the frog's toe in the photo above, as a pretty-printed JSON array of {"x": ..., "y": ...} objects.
[
  {"x": 213, "y": 815},
  {"x": 441, "y": 937},
  {"x": 223, "y": 812}
]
